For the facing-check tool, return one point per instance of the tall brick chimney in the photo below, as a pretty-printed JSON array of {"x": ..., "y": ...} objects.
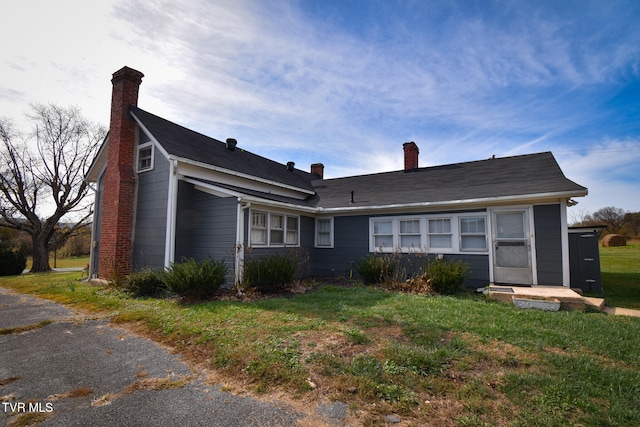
[
  {"x": 318, "y": 169},
  {"x": 410, "y": 156},
  {"x": 116, "y": 236}
]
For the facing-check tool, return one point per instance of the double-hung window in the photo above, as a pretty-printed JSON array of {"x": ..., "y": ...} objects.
[
  {"x": 274, "y": 229},
  {"x": 324, "y": 232},
  {"x": 293, "y": 222},
  {"x": 439, "y": 233},
  {"x": 457, "y": 232},
  {"x": 410, "y": 236},
  {"x": 258, "y": 228},
  {"x": 473, "y": 234},
  {"x": 383, "y": 234}
]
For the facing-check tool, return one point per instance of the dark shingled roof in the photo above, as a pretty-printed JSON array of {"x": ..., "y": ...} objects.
[
  {"x": 526, "y": 175},
  {"x": 185, "y": 143},
  {"x": 497, "y": 177}
]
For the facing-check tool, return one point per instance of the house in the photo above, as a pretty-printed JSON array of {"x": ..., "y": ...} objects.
[{"x": 164, "y": 192}]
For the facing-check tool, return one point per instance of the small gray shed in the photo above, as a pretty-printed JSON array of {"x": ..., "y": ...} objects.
[{"x": 584, "y": 258}]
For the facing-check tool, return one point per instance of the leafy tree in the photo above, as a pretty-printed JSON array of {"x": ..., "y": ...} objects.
[{"x": 42, "y": 175}]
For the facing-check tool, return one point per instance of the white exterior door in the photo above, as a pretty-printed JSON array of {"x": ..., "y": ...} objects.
[{"x": 512, "y": 247}]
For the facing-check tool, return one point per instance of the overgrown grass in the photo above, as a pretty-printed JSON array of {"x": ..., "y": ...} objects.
[
  {"x": 621, "y": 275},
  {"x": 432, "y": 360}
]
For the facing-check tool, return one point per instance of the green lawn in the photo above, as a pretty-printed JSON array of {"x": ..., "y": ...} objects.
[
  {"x": 433, "y": 360},
  {"x": 621, "y": 275},
  {"x": 70, "y": 262}
]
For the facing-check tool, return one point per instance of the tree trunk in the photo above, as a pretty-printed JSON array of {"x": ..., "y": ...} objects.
[{"x": 40, "y": 256}]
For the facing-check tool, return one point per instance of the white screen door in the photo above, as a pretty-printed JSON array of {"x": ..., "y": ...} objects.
[{"x": 511, "y": 248}]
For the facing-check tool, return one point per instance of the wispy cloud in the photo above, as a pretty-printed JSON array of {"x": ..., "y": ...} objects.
[{"x": 346, "y": 83}]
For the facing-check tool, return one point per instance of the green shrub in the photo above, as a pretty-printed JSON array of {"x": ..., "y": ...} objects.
[
  {"x": 194, "y": 278},
  {"x": 143, "y": 282},
  {"x": 12, "y": 262},
  {"x": 446, "y": 277},
  {"x": 375, "y": 269},
  {"x": 270, "y": 273}
]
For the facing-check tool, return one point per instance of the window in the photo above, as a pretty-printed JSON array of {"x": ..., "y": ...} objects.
[
  {"x": 410, "y": 236},
  {"x": 274, "y": 229},
  {"x": 455, "y": 233},
  {"x": 383, "y": 234},
  {"x": 324, "y": 232},
  {"x": 145, "y": 157},
  {"x": 258, "y": 228},
  {"x": 292, "y": 230},
  {"x": 473, "y": 235},
  {"x": 439, "y": 233}
]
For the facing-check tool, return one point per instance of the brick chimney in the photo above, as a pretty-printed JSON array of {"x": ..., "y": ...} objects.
[
  {"x": 410, "y": 156},
  {"x": 318, "y": 169},
  {"x": 116, "y": 235}
]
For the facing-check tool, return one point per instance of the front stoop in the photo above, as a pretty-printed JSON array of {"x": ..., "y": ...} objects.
[{"x": 569, "y": 299}]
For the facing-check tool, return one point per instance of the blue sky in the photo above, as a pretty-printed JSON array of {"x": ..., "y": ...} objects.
[{"x": 346, "y": 83}]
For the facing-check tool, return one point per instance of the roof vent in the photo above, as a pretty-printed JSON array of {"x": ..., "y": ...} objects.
[
  {"x": 231, "y": 144},
  {"x": 290, "y": 166}
]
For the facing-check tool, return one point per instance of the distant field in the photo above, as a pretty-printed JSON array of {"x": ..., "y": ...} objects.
[
  {"x": 71, "y": 262},
  {"x": 621, "y": 275}
]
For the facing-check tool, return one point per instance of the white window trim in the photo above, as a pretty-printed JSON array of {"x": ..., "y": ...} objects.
[
  {"x": 262, "y": 229},
  {"x": 331, "y": 242},
  {"x": 140, "y": 148},
  {"x": 452, "y": 227},
  {"x": 268, "y": 244},
  {"x": 456, "y": 237},
  {"x": 486, "y": 234}
]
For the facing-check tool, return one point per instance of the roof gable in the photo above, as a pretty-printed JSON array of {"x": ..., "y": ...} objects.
[{"x": 187, "y": 144}]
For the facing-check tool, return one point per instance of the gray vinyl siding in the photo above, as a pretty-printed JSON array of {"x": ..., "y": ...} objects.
[
  {"x": 478, "y": 268},
  {"x": 97, "y": 225},
  {"x": 151, "y": 215},
  {"x": 206, "y": 227},
  {"x": 351, "y": 243},
  {"x": 548, "y": 234}
]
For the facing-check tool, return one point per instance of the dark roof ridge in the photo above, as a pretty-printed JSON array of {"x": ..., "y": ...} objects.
[{"x": 443, "y": 166}]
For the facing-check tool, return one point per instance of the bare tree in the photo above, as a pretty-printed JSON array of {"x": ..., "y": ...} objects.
[
  {"x": 42, "y": 175},
  {"x": 613, "y": 218}
]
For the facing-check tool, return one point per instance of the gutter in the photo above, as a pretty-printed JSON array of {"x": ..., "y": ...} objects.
[
  {"x": 457, "y": 204},
  {"x": 172, "y": 207},
  {"x": 239, "y": 256},
  {"x": 241, "y": 175},
  {"x": 453, "y": 203}
]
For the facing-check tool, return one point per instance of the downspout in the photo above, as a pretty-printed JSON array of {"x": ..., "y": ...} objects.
[
  {"x": 172, "y": 207},
  {"x": 239, "y": 261},
  {"x": 564, "y": 234}
]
